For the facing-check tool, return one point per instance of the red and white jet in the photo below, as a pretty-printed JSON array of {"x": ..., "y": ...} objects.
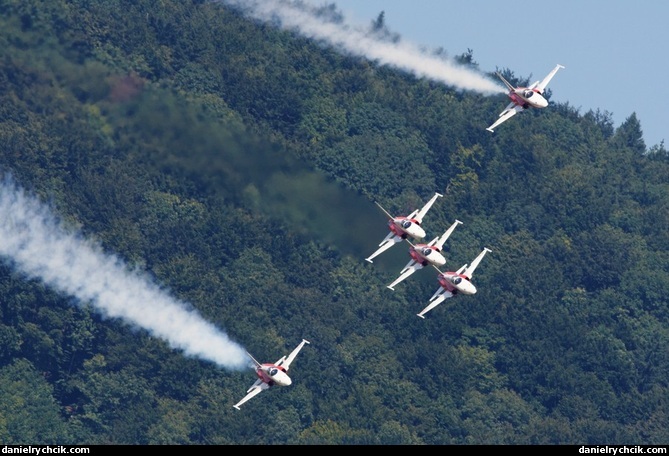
[
  {"x": 401, "y": 227},
  {"x": 452, "y": 283},
  {"x": 271, "y": 374},
  {"x": 523, "y": 98},
  {"x": 425, "y": 254}
]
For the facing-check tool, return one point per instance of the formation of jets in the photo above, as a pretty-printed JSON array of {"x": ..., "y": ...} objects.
[
  {"x": 430, "y": 254},
  {"x": 523, "y": 98},
  {"x": 403, "y": 227}
]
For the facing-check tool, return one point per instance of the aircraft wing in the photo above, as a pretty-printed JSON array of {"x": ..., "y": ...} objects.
[
  {"x": 470, "y": 270},
  {"x": 419, "y": 216},
  {"x": 442, "y": 240},
  {"x": 287, "y": 361},
  {"x": 409, "y": 269},
  {"x": 429, "y": 244},
  {"x": 542, "y": 85},
  {"x": 390, "y": 240},
  {"x": 440, "y": 296},
  {"x": 258, "y": 387},
  {"x": 511, "y": 110}
]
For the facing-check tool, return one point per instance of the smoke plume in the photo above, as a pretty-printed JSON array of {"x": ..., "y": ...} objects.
[
  {"x": 298, "y": 17},
  {"x": 37, "y": 244}
]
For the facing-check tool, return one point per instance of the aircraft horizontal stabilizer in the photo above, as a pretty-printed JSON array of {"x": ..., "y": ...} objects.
[
  {"x": 436, "y": 294},
  {"x": 506, "y": 83},
  {"x": 389, "y": 238}
]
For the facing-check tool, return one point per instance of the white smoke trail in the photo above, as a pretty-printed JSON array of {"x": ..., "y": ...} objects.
[
  {"x": 36, "y": 243},
  {"x": 295, "y": 16}
]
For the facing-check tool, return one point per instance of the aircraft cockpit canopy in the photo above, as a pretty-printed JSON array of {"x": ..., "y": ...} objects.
[
  {"x": 426, "y": 251},
  {"x": 273, "y": 371},
  {"x": 527, "y": 93},
  {"x": 406, "y": 223},
  {"x": 456, "y": 280}
]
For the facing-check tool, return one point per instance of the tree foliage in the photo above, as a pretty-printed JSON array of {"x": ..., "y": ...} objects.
[{"x": 237, "y": 164}]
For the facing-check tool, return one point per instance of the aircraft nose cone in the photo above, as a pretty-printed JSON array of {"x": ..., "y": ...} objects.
[
  {"x": 416, "y": 232},
  {"x": 288, "y": 381},
  {"x": 467, "y": 288},
  {"x": 439, "y": 260}
]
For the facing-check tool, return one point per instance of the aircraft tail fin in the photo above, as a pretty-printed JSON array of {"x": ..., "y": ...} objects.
[
  {"x": 506, "y": 83},
  {"x": 254, "y": 360},
  {"x": 384, "y": 211}
]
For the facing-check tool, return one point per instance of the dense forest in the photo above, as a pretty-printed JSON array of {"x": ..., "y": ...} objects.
[{"x": 238, "y": 164}]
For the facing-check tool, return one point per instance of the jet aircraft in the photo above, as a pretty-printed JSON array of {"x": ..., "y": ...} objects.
[
  {"x": 401, "y": 227},
  {"x": 270, "y": 374},
  {"x": 452, "y": 283},
  {"x": 425, "y": 254},
  {"x": 523, "y": 98}
]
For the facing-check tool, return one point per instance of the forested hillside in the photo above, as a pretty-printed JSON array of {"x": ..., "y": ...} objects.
[{"x": 238, "y": 165}]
